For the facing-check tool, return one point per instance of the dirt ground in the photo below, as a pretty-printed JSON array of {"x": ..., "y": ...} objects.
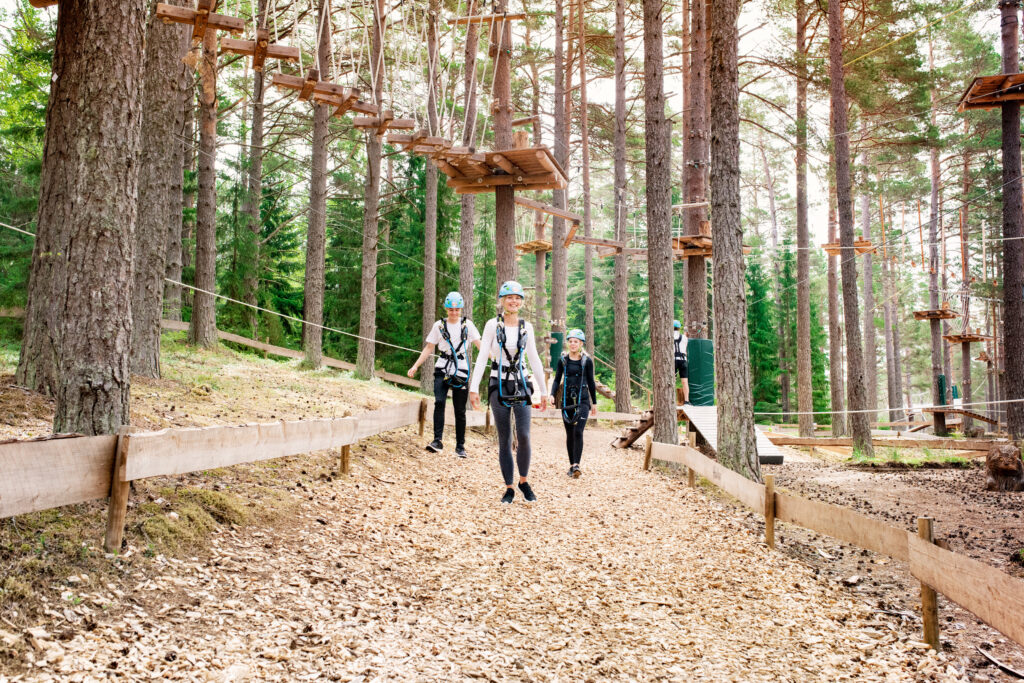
[{"x": 985, "y": 525}]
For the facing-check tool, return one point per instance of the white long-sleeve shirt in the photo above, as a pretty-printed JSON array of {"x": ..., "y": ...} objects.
[{"x": 489, "y": 349}]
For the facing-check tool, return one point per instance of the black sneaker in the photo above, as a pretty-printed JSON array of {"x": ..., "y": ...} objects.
[
  {"x": 435, "y": 446},
  {"x": 509, "y": 496},
  {"x": 460, "y": 451},
  {"x": 527, "y": 492},
  {"x": 576, "y": 472},
  {"x": 572, "y": 468}
]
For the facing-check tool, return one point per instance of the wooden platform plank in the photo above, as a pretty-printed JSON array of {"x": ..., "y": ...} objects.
[
  {"x": 548, "y": 209},
  {"x": 705, "y": 420},
  {"x": 44, "y": 474}
]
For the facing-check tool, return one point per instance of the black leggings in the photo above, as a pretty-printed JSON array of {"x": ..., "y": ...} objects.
[
  {"x": 503, "y": 423},
  {"x": 459, "y": 398},
  {"x": 574, "y": 434}
]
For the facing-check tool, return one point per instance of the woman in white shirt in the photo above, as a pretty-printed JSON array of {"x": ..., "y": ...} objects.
[
  {"x": 506, "y": 339},
  {"x": 452, "y": 338}
]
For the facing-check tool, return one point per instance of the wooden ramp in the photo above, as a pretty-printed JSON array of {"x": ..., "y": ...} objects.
[
  {"x": 634, "y": 431},
  {"x": 704, "y": 419},
  {"x": 952, "y": 410}
]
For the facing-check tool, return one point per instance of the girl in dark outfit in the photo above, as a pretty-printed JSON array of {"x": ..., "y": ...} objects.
[{"x": 579, "y": 398}]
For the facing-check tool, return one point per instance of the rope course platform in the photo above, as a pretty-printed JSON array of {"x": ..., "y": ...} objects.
[
  {"x": 704, "y": 420},
  {"x": 834, "y": 249},
  {"x": 325, "y": 92},
  {"x": 548, "y": 209},
  {"x": 966, "y": 338},
  {"x": 200, "y": 18},
  {"x": 383, "y": 123},
  {"x": 944, "y": 313},
  {"x": 572, "y": 237},
  {"x": 989, "y": 92},
  {"x": 534, "y": 247},
  {"x": 526, "y": 168}
]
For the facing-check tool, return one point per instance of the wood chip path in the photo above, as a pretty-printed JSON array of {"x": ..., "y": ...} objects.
[{"x": 411, "y": 570}]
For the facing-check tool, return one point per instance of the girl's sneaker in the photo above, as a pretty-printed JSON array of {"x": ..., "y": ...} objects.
[
  {"x": 527, "y": 492},
  {"x": 435, "y": 446},
  {"x": 509, "y": 496},
  {"x": 576, "y": 472}
]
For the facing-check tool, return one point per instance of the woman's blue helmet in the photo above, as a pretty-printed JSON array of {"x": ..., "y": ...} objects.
[
  {"x": 454, "y": 300},
  {"x": 576, "y": 334},
  {"x": 676, "y": 324},
  {"x": 512, "y": 288}
]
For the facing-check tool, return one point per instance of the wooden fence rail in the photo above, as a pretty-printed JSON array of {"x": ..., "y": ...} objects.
[
  {"x": 993, "y": 596},
  {"x": 43, "y": 474}
]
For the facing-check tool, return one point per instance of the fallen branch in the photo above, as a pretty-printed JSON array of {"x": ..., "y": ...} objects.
[{"x": 1007, "y": 669}]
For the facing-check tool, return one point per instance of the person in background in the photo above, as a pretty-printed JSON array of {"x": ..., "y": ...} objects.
[
  {"x": 452, "y": 338},
  {"x": 679, "y": 341},
  {"x": 579, "y": 396},
  {"x": 508, "y": 338}
]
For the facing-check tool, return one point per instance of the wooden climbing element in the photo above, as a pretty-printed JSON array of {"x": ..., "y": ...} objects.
[
  {"x": 534, "y": 247},
  {"x": 834, "y": 249},
  {"x": 944, "y": 313},
  {"x": 967, "y": 337},
  {"x": 324, "y": 92},
  {"x": 260, "y": 49},
  {"x": 527, "y": 168},
  {"x": 634, "y": 431},
  {"x": 422, "y": 143},
  {"x": 704, "y": 421},
  {"x": 485, "y": 18},
  {"x": 201, "y": 18},
  {"x": 989, "y": 92},
  {"x": 383, "y": 123},
  {"x": 952, "y": 410},
  {"x": 548, "y": 209}
]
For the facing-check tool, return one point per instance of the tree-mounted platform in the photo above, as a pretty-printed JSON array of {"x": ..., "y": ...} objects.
[
  {"x": 693, "y": 245},
  {"x": 944, "y": 313},
  {"x": 678, "y": 254},
  {"x": 989, "y": 92},
  {"x": 423, "y": 144},
  {"x": 966, "y": 338},
  {"x": 260, "y": 49},
  {"x": 834, "y": 249},
  {"x": 534, "y": 247},
  {"x": 324, "y": 92},
  {"x": 201, "y": 18},
  {"x": 383, "y": 123},
  {"x": 526, "y": 168}
]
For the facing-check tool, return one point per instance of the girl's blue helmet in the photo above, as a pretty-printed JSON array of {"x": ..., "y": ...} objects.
[
  {"x": 576, "y": 334},
  {"x": 676, "y": 324},
  {"x": 512, "y": 288},
  {"x": 454, "y": 300}
]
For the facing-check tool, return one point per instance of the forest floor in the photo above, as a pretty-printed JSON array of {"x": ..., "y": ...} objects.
[
  {"x": 410, "y": 568},
  {"x": 985, "y": 525}
]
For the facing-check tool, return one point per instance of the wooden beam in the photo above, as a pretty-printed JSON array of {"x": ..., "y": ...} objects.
[
  {"x": 599, "y": 242},
  {"x": 572, "y": 233},
  {"x": 548, "y": 209},
  {"x": 893, "y": 442},
  {"x": 499, "y": 180},
  {"x": 525, "y": 121},
  {"x": 506, "y": 165},
  {"x": 484, "y": 18},
  {"x": 199, "y": 19},
  {"x": 259, "y": 49},
  {"x": 447, "y": 168}
]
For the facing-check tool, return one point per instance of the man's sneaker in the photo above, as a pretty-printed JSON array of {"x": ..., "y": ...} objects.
[
  {"x": 460, "y": 451},
  {"x": 509, "y": 496},
  {"x": 576, "y": 472},
  {"x": 435, "y": 446},
  {"x": 527, "y": 492}
]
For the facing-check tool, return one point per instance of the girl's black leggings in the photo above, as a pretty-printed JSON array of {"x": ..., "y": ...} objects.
[{"x": 574, "y": 434}]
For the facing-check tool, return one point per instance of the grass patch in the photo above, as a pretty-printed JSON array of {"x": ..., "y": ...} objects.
[{"x": 910, "y": 458}]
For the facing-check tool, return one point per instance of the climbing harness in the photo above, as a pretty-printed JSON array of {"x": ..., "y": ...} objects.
[
  {"x": 572, "y": 393},
  {"x": 677, "y": 342},
  {"x": 451, "y": 360},
  {"x": 513, "y": 389}
]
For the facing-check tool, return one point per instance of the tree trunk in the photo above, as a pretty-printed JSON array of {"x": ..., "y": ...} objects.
[
  {"x": 892, "y": 352},
  {"x": 623, "y": 393},
  {"x": 870, "y": 340},
  {"x": 178, "y": 257},
  {"x": 1013, "y": 232},
  {"x": 695, "y": 163},
  {"x": 804, "y": 370},
  {"x": 539, "y": 258},
  {"x": 504, "y": 201},
  {"x": 159, "y": 198},
  {"x": 835, "y": 326},
  {"x": 559, "y": 254},
  {"x": 781, "y": 326},
  {"x": 588, "y": 231},
  {"x": 430, "y": 200},
  {"x": 657, "y": 134},
  {"x": 737, "y": 447},
  {"x": 935, "y": 326},
  {"x": 467, "y": 218},
  {"x": 368, "y": 296},
  {"x": 254, "y": 196},
  {"x": 78, "y": 322},
  {"x": 856, "y": 391},
  {"x": 202, "y": 330}
]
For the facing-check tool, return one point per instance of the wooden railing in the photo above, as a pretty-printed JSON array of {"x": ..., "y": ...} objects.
[
  {"x": 994, "y": 597},
  {"x": 43, "y": 474}
]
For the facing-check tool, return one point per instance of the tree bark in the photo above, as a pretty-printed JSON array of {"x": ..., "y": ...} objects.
[
  {"x": 430, "y": 198},
  {"x": 368, "y": 293},
  {"x": 804, "y": 370},
  {"x": 657, "y": 133},
  {"x": 935, "y": 326},
  {"x": 203, "y": 328},
  {"x": 835, "y": 326},
  {"x": 588, "y": 230},
  {"x": 559, "y": 254},
  {"x": 695, "y": 164},
  {"x": 178, "y": 256},
  {"x": 159, "y": 198},
  {"x": 623, "y": 389},
  {"x": 856, "y": 391},
  {"x": 78, "y": 323},
  {"x": 737, "y": 447},
  {"x": 1013, "y": 231},
  {"x": 467, "y": 218},
  {"x": 504, "y": 201},
  {"x": 870, "y": 337}
]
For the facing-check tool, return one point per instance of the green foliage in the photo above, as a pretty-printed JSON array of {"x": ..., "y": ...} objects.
[{"x": 764, "y": 340}]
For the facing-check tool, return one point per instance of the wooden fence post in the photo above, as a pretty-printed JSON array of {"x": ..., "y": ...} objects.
[
  {"x": 487, "y": 421},
  {"x": 423, "y": 415},
  {"x": 346, "y": 461},
  {"x": 117, "y": 506},
  {"x": 929, "y": 600},
  {"x": 769, "y": 510},
  {"x": 647, "y": 453}
]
